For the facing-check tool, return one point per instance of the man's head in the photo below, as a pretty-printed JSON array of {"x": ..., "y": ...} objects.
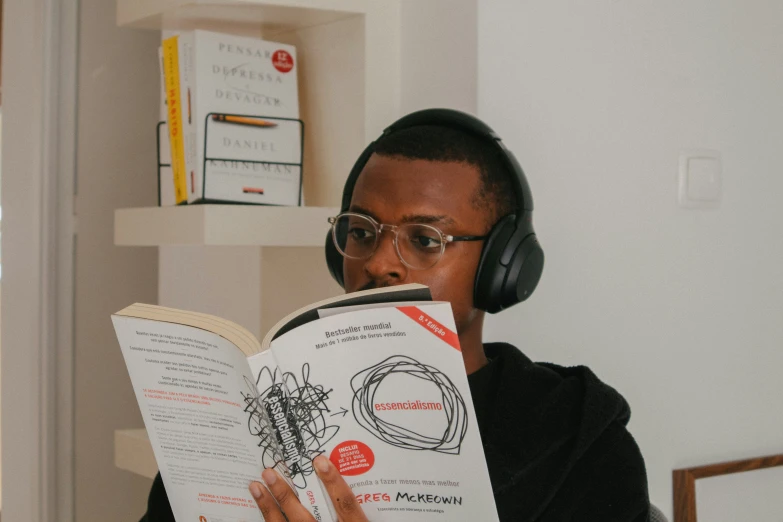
[
  {"x": 439, "y": 176},
  {"x": 494, "y": 194},
  {"x": 446, "y": 169}
]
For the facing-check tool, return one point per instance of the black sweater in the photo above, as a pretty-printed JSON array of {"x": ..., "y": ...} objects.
[{"x": 555, "y": 442}]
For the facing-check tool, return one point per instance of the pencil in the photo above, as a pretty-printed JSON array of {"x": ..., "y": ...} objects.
[{"x": 243, "y": 120}]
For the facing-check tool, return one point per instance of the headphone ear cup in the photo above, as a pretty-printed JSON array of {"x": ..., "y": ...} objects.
[
  {"x": 490, "y": 274},
  {"x": 499, "y": 286},
  {"x": 523, "y": 272},
  {"x": 334, "y": 261}
]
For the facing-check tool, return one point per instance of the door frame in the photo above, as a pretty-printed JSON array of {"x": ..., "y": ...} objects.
[{"x": 39, "y": 72}]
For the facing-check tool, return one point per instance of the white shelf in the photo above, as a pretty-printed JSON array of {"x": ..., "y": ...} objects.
[
  {"x": 272, "y": 15},
  {"x": 235, "y": 225},
  {"x": 133, "y": 452}
]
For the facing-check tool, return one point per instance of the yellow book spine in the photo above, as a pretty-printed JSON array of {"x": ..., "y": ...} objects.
[{"x": 174, "y": 101}]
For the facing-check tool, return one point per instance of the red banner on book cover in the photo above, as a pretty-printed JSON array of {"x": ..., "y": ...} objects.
[{"x": 432, "y": 325}]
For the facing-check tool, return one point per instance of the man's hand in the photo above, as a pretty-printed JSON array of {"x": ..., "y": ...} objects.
[{"x": 283, "y": 500}]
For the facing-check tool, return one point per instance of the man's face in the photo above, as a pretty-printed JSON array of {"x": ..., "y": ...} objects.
[{"x": 395, "y": 191}]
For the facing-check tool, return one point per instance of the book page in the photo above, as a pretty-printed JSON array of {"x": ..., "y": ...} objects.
[
  {"x": 409, "y": 292},
  {"x": 197, "y": 397},
  {"x": 388, "y": 386}
]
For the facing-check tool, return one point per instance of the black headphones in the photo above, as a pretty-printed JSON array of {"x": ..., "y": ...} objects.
[{"x": 512, "y": 259}]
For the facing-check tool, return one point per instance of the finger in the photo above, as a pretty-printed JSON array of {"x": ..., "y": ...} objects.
[
  {"x": 266, "y": 503},
  {"x": 285, "y": 497},
  {"x": 343, "y": 499}
]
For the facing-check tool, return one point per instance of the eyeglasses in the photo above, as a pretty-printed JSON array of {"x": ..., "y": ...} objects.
[{"x": 418, "y": 246}]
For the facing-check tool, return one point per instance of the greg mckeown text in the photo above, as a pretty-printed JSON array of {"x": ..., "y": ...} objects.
[
  {"x": 359, "y": 328},
  {"x": 427, "y": 498}
]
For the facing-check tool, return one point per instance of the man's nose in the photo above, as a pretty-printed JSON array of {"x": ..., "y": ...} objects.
[{"x": 385, "y": 266}]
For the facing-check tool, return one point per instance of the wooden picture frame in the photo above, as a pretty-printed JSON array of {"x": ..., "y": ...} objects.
[{"x": 684, "y": 481}]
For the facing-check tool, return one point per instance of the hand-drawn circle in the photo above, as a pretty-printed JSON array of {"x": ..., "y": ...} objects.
[
  {"x": 352, "y": 457},
  {"x": 365, "y": 384}
]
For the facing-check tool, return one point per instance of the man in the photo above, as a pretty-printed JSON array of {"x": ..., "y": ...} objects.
[{"x": 554, "y": 438}]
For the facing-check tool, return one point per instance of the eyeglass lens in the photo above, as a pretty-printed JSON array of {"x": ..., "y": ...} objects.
[{"x": 357, "y": 237}]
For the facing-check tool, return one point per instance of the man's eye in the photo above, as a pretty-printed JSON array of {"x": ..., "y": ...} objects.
[
  {"x": 423, "y": 242},
  {"x": 360, "y": 234}
]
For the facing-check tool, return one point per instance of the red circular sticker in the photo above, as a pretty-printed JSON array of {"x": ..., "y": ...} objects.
[
  {"x": 352, "y": 458},
  {"x": 282, "y": 61}
]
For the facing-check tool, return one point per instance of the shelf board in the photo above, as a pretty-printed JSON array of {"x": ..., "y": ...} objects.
[
  {"x": 133, "y": 452},
  {"x": 272, "y": 15},
  {"x": 235, "y": 225}
]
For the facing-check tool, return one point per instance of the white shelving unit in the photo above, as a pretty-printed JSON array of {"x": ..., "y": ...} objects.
[
  {"x": 242, "y": 262},
  {"x": 349, "y": 88}
]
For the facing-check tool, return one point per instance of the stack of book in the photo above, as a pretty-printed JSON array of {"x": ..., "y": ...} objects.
[{"x": 230, "y": 130}]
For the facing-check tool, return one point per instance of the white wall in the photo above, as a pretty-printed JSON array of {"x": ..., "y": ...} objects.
[
  {"x": 438, "y": 50},
  {"x": 678, "y": 309}
]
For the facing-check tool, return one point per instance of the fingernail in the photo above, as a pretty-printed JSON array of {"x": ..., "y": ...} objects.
[
  {"x": 321, "y": 464},
  {"x": 255, "y": 490},
  {"x": 269, "y": 476}
]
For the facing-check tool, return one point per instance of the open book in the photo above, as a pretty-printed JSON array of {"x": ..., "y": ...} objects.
[{"x": 374, "y": 380}]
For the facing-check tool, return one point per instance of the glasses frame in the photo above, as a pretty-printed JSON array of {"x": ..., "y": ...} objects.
[{"x": 380, "y": 227}]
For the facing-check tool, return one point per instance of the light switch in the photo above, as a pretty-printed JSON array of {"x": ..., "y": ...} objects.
[{"x": 700, "y": 179}]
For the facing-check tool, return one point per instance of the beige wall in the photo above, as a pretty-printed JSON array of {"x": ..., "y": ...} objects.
[{"x": 117, "y": 113}]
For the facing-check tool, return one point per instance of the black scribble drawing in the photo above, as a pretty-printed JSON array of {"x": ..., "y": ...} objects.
[
  {"x": 365, "y": 386},
  {"x": 296, "y": 418},
  {"x": 260, "y": 426}
]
